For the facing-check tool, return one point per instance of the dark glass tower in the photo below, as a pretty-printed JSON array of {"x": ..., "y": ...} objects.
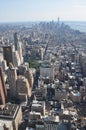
[
  {"x": 16, "y": 41},
  {"x": 7, "y": 52}
]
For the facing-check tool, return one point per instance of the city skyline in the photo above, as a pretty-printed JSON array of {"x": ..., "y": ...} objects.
[{"x": 38, "y": 10}]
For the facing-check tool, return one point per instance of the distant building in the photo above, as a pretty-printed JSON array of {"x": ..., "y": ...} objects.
[{"x": 82, "y": 60}]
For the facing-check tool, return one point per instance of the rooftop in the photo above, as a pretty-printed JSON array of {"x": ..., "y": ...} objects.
[
  {"x": 8, "y": 111},
  {"x": 7, "y": 123}
]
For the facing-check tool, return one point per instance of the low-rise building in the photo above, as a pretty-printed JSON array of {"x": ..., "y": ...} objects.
[
  {"x": 75, "y": 96},
  {"x": 38, "y": 106}
]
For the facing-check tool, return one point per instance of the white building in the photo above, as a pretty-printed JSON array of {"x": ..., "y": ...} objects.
[
  {"x": 47, "y": 71},
  {"x": 38, "y": 106}
]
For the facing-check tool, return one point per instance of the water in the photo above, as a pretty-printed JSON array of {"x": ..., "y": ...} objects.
[
  {"x": 81, "y": 26},
  {"x": 76, "y": 25}
]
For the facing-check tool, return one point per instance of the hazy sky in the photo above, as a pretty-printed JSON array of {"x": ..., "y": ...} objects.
[{"x": 41, "y": 10}]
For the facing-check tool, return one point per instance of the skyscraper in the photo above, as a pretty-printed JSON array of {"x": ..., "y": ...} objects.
[
  {"x": 23, "y": 88},
  {"x": 7, "y": 52},
  {"x": 3, "y": 92},
  {"x": 12, "y": 77},
  {"x": 15, "y": 41},
  {"x": 18, "y": 47}
]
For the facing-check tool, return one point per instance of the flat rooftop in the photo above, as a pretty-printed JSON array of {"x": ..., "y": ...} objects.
[{"x": 8, "y": 111}]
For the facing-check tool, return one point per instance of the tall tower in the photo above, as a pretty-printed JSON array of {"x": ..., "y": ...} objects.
[
  {"x": 7, "y": 52},
  {"x": 3, "y": 92},
  {"x": 20, "y": 52},
  {"x": 16, "y": 41},
  {"x": 18, "y": 47}
]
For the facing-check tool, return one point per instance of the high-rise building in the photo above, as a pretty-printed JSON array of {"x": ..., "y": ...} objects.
[
  {"x": 20, "y": 52},
  {"x": 16, "y": 58},
  {"x": 25, "y": 71},
  {"x": 18, "y": 47},
  {"x": 3, "y": 92},
  {"x": 12, "y": 77},
  {"x": 7, "y": 52},
  {"x": 23, "y": 88},
  {"x": 13, "y": 56},
  {"x": 28, "y": 74},
  {"x": 16, "y": 41}
]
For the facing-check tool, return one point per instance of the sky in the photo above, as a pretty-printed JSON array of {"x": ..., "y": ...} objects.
[{"x": 42, "y": 10}]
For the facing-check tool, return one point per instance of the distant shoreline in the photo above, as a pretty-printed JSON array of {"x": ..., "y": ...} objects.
[{"x": 76, "y": 25}]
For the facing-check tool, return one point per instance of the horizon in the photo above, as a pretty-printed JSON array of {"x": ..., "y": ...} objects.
[{"x": 61, "y": 21}]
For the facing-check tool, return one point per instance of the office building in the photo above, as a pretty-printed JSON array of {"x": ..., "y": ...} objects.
[
  {"x": 16, "y": 58},
  {"x": 30, "y": 78},
  {"x": 23, "y": 88},
  {"x": 38, "y": 106},
  {"x": 47, "y": 71},
  {"x": 7, "y": 52},
  {"x": 20, "y": 52},
  {"x": 16, "y": 41},
  {"x": 25, "y": 71},
  {"x": 51, "y": 123},
  {"x": 3, "y": 92},
  {"x": 12, "y": 77},
  {"x": 10, "y": 117}
]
